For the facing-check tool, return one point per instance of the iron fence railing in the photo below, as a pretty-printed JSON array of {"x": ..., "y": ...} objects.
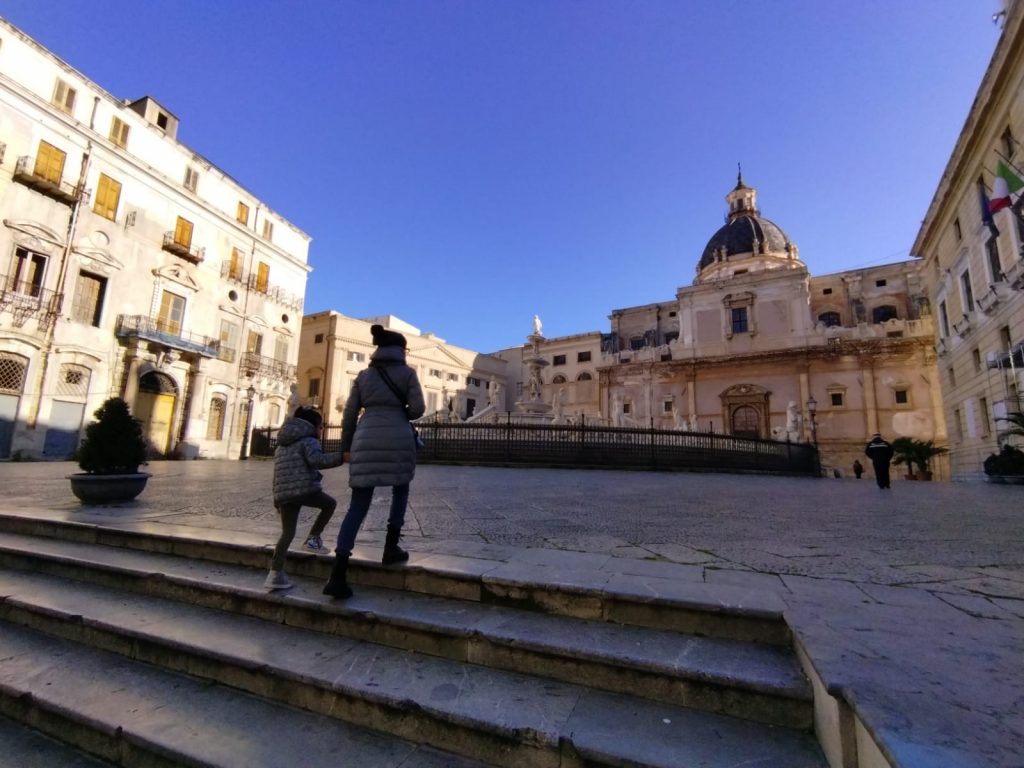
[
  {"x": 26, "y": 299},
  {"x": 153, "y": 329},
  {"x": 541, "y": 445},
  {"x": 65, "y": 192},
  {"x": 184, "y": 250},
  {"x": 254, "y": 364}
]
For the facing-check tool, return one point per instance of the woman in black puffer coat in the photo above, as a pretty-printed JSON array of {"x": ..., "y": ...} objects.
[{"x": 379, "y": 448}]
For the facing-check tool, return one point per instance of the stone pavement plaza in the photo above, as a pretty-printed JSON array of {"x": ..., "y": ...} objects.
[{"x": 910, "y": 602}]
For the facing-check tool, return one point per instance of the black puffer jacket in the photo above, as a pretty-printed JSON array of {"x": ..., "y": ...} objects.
[
  {"x": 381, "y": 441},
  {"x": 297, "y": 459}
]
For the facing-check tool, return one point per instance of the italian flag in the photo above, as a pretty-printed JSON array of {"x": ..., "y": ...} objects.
[{"x": 1006, "y": 183}]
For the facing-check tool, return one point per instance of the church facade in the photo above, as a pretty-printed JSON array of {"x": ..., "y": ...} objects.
[{"x": 757, "y": 347}]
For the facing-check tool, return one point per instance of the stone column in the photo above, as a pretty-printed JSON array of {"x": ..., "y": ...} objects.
[
  {"x": 194, "y": 392},
  {"x": 691, "y": 396},
  {"x": 870, "y": 403},
  {"x": 805, "y": 395},
  {"x": 938, "y": 415},
  {"x": 131, "y": 379}
]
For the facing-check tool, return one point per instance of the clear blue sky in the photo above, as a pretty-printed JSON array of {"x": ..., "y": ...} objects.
[{"x": 464, "y": 165}]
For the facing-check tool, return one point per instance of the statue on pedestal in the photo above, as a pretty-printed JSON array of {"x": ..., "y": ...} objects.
[{"x": 537, "y": 327}]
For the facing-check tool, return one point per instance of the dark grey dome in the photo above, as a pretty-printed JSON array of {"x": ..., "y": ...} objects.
[{"x": 738, "y": 237}]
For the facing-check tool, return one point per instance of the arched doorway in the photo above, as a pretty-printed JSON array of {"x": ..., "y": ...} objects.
[
  {"x": 745, "y": 410},
  {"x": 745, "y": 419},
  {"x": 12, "y": 383},
  {"x": 154, "y": 407}
]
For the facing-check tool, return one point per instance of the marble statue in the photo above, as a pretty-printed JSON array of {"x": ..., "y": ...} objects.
[
  {"x": 793, "y": 419},
  {"x": 294, "y": 400},
  {"x": 558, "y": 403},
  {"x": 537, "y": 327}
]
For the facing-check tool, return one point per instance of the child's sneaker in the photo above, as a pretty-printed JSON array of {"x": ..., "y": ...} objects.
[
  {"x": 315, "y": 543},
  {"x": 277, "y": 580}
]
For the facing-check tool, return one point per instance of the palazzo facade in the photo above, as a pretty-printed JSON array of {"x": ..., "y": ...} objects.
[
  {"x": 131, "y": 266},
  {"x": 973, "y": 261},
  {"x": 457, "y": 382}
]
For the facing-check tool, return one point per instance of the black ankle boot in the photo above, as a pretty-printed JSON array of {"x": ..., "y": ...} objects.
[
  {"x": 392, "y": 552},
  {"x": 337, "y": 585}
]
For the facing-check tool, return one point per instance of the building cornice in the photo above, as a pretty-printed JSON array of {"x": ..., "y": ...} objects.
[{"x": 997, "y": 80}]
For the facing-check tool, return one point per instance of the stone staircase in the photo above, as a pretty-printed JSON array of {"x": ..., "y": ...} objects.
[{"x": 140, "y": 647}]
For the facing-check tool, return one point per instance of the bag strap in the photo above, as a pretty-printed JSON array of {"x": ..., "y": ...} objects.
[{"x": 391, "y": 385}]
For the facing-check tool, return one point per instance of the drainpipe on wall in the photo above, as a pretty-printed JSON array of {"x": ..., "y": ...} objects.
[
  {"x": 44, "y": 358},
  {"x": 242, "y": 338}
]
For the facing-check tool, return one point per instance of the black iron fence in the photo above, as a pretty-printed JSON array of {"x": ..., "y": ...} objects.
[{"x": 581, "y": 445}]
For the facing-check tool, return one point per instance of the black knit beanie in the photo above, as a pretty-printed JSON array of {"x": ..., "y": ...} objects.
[
  {"x": 312, "y": 415},
  {"x": 385, "y": 338}
]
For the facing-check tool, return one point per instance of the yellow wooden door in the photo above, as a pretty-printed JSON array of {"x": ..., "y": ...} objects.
[{"x": 156, "y": 412}]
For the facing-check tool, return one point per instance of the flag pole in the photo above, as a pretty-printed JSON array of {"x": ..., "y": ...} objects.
[{"x": 1009, "y": 162}]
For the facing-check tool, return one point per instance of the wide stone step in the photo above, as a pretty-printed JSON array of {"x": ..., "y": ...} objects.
[
  {"x": 748, "y": 680},
  {"x": 496, "y": 717},
  {"x": 648, "y": 601},
  {"x": 134, "y": 714},
  {"x": 24, "y": 747}
]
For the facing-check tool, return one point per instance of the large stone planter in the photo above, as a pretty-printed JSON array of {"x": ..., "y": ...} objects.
[
  {"x": 1005, "y": 479},
  {"x": 107, "y": 489}
]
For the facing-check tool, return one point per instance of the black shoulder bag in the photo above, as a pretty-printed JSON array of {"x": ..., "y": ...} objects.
[{"x": 416, "y": 439}]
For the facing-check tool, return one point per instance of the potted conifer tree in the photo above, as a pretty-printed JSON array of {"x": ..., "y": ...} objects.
[{"x": 110, "y": 456}]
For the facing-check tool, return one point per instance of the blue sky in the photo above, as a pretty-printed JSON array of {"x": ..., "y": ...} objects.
[{"x": 464, "y": 165}]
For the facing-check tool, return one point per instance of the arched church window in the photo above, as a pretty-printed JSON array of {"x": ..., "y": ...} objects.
[
  {"x": 559, "y": 379},
  {"x": 830, "y": 319},
  {"x": 584, "y": 377},
  {"x": 883, "y": 313}
]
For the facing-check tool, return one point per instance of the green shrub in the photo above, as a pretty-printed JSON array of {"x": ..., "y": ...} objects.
[
  {"x": 113, "y": 444},
  {"x": 1009, "y": 461}
]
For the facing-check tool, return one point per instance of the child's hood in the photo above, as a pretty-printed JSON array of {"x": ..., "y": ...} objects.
[{"x": 294, "y": 430}]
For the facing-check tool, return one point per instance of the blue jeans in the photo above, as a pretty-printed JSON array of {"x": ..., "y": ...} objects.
[{"x": 357, "y": 509}]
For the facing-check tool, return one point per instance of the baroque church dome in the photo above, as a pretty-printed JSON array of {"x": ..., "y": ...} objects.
[{"x": 747, "y": 242}]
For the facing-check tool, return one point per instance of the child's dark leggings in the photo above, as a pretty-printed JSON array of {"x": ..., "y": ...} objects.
[{"x": 289, "y": 512}]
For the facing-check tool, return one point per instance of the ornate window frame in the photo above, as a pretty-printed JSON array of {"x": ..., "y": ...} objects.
[{"x": 743, "y": 300}]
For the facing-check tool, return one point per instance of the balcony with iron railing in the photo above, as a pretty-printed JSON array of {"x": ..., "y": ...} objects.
[
  {"x": 161, "y": 332},
  {"x": 262, "y": 287},
  {"x": 61, "y": 191},
  {"x": 183, "y": 250},
  {"x": 254, "y": 364},
  {"x": 26, "y": 299}
]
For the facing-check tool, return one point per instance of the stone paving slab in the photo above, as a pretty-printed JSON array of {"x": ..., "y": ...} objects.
[{"x": 923, "y": 664}]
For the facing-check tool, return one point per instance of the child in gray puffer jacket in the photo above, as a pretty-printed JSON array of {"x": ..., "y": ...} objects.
[{"x": 298, "y": 484}]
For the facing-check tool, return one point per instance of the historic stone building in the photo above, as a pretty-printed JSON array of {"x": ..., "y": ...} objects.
[
  {"x": 974, "y": 268},
  {"x": 457, "y": 382},
  {"x": 131, "y": 266},
  {"x": 756, "y": 344}
]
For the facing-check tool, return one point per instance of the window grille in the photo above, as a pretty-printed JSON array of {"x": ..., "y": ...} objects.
[
  {"x": 215, "y": 424},
  {"x": 73, "y": 380},
  {"x": 12, "y": 372}
]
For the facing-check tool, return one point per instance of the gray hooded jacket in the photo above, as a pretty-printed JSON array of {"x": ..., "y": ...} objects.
[
  {"x": 381, "y": 441},
  {"x": 297, "y": 459}
]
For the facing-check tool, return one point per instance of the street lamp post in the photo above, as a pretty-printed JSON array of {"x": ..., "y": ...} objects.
[
  {"x": 812, "y": 410},
  {"x": 243, "y": 454}
]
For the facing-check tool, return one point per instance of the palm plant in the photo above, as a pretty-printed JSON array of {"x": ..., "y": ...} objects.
[
  {"x": 919, "y": 453},
  {"x": 1016, "y": 421}
]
